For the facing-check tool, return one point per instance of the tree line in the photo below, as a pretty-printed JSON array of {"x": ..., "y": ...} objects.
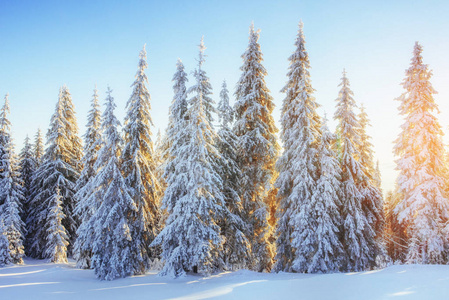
[{"x": 205, "y": 199}]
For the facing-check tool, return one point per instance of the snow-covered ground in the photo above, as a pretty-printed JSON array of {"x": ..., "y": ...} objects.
[{"x": 41, "y": 280}]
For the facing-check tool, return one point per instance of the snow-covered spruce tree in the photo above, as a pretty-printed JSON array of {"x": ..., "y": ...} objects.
[
  {"x": 175, "y": 137},
  {"x": 175, "y": 134},
  {"x": 57, "y": 238},
  {"x": 27, "y": 165},
  {"x": 113, "y": 245},
  {"x": 298, "y": 164},
  {"x": 84, "y": 188},
  {"x": 395, "y": 236},
  {"x": 365, "y": 147},
  {"x": 38, "y": 148},
  {"x": 377, "y": 177},
  {"x": 5, "y": 257},
  {"x": 71, "y": 131},
  {"x": 191, "y": 240},
  {"x": 5, "y": 128},
  {"x": 204, "y": 88},
  {"x": 159, "y": 162},
  {"x": 257, "y": 149},
  {"x": 358, "y": 236},
  {"x": 139, "y": 170},
  {"x": 236, "y": 247},
  {"x": 73, "y": 158},
  {"x": 11, "y": 195},
  {"x": 327, "y": 254},
  {"x": 423, "y": 207},
  {"x": 57, "y": 169},
  {"x": 372, "y": 204}
]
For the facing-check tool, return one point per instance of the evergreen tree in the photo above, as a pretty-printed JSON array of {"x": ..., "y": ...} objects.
[
  {"x": 326, "y": 253},
  {"x": 71, "y": 131},
  {"x": 372, "y": 204},
  {"x": 27, "y": 168},
  {"x": 74, "y": 155},
  {"x": 298, "y": 164},
  {"x": 11, "y": 195},
  {"x": 139, "y": 170},
  {"x": 423, "y": 207},
  {"x": 191, "y": 239},
  {"x": 205, "y": 88},
  {"x": 5, "y": 128},
  {"x": 38, "y": 148},
  {"x": 365, "y": 148},
  {"x": 236, "y": 247},
  {"x": 257, "y": 149},
  {"x": 358, "y": 236},
  {"x": 160, "y": 164},
  {"x": 57, "y": 238},
  {"x": 85, "y": 208},
  {"x": 396, "y": 243},
  {"x": 377, "y": 177},
  {"x": 175, "y": 134},
  {"x": 110, "y": 227},
  {"x": 5, "y": 257},
  {"x": 57, "y": 169}
]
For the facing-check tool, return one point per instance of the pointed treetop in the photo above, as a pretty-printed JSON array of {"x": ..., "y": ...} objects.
[
  {"x": 95, "y": 95},
  {"x": 201, "y": 56},
  {"x": 109, "y": 92},
  {"x": 4, "y": 122},
  {"x": 225, "y": 111},
  {"x": 143, "y": 52},
  {"x": 301, "y": 31},
  {"x": 253, "y": 34},
  {"x": 65, "y": 89},
  {"x": 324, "y": 129},
  {"x": 417, "y": 49},
  {"x": 363, "y": 116},
  {"x": 345, "y": 83},
  {"x": 140, "y": 74}
]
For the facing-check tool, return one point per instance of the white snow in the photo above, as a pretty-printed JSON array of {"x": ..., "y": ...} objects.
[{"x": 37, "y": 279}]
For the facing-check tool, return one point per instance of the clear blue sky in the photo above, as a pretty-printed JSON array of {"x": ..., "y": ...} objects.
[{"x": 45, "y": 44}]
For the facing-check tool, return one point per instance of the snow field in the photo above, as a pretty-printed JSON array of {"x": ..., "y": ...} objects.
[{"x": 37, "y": 279}]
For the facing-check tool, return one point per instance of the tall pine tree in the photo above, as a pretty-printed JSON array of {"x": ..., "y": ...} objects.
[
  {"x": 5, "y": 256},
  {"x": 298, "y": 165},
  {"x": 234, "y": 229},
  {"x": 372, "y": 204},
  {"x": 11, "y": 189},
  {"x": 423, "y": 207},
  {"x": 175, "y": 134},
  {"x": 327, "y": 254},
  {"x": 113, "y": 245},
  {"x": 257, "y": 149},
  {"x": 27, "y": 165},
  {"x": 38, "y": 148},
  {"x": 58, "y": 169},
  {"x": 139, "y": 170},
  {"x": 191, "y": 239},
  {"x": 57, "y": 239},
  {"x": 358, "y": 236},
  {"x": 84, "y": 187},
  {"x": 5, "y": 128},
  {"x": 11, "y": 195}
]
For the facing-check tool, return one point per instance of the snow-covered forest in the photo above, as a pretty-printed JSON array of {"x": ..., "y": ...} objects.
[{"x": 222, "y": 188}]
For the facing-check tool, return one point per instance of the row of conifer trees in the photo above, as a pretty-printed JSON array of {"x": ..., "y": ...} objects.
[{"x": 199, "y": 200}]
